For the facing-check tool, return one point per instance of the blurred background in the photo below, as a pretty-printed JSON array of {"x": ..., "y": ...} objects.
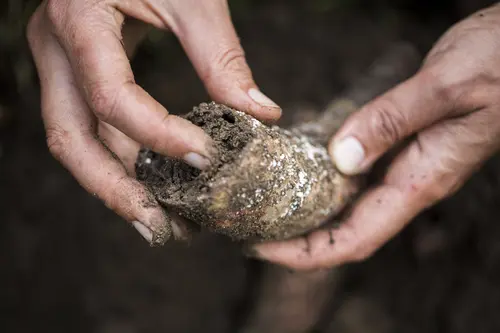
[{"x": 67, "y": 264}]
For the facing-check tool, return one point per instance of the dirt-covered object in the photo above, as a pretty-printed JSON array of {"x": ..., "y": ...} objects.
[{"x": 266, "y": 182}]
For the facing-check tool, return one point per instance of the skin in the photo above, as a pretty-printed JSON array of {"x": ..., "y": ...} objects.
[
  {"x": 447, "y": 114},
  {"x": 96, "y": 117}
]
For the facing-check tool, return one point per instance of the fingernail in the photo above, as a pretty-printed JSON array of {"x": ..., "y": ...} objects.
[
  {"x": 260, "y": 98},
  {"x": 197, "y": 161},
  {"x": 348, "y": 155},
  {"x": 143, "y": 230}
]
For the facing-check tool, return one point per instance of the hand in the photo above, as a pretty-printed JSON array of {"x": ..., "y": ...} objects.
[
  {"x": 449, "y": 115},
  {"x": 96, "y": 116}
]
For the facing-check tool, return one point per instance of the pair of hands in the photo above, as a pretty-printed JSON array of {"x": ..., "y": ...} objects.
[{"x": 96, "y": 117}]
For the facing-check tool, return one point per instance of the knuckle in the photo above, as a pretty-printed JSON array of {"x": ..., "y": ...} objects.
[
  {"x": 56, "y": 13},
  {"x": 444, "y": 179},
  {"x": 104, "y": 101},
  {"x": 387, "y": 123},
  {"x": 58, "y": 141},
  {"x": 229, "y": 59},
  {"x": 445, "y": 85},
  {"x": 71, "y": 22}
]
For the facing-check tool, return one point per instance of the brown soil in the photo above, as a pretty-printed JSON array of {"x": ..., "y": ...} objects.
[{"x": 172, "y": 180}]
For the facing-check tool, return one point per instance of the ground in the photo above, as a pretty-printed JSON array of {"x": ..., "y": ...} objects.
[{"x": 69, "y": 264}]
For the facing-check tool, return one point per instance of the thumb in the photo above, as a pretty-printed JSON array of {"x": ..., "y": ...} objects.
[
  {"x": 210, "y": 40},
  {"x": 382, "y": 123}
]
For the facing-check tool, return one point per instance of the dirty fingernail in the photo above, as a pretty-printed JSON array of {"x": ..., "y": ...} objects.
[
  {"x": 197, "y": 161},
  {"x": 260, "y": 98},
  {"x": 143, "y": 230},
  {"x": 348, "y": 155}
]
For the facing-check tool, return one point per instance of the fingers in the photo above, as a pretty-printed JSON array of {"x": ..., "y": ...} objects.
[
  {"x": 366, "y": 135},
  {"x": 125, "y": 148},
  {"x": 432, "y": 167},
  {"x": 92, "y": 43},
  {"x": 71, "y": 137},
  {"x": 209, "y": 38}
]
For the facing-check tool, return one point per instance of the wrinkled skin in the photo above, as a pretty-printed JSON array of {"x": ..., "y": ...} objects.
[
  {"x": 447, "y": 114},
  {"x": 96, "y": 117}
]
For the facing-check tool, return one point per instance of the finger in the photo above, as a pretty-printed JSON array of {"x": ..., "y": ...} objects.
[
  {"x": 431, "y": 168},
  {"x": 124, "y": 147},
  {"x": 220, "y": 60},
  {"x": 367, "y": 134},
  {"x": 71, "y": 137},
  {"x": 126, "y": 150},
  {"x": 92, "y": 43},
  {"x": 207, "y": 34}
]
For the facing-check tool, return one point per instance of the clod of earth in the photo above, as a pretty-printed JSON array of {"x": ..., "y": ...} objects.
[{"x": 266, "y": 182}]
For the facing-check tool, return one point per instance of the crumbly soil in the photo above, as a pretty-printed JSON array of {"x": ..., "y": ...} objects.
[{"x": 172, "y": 179}]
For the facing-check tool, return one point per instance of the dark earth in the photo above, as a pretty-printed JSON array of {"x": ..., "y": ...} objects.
[
  {"x": 70, "y": 265},
  {"x": 176, "y": 179}
]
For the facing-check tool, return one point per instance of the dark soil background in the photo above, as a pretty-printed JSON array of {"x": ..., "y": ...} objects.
[{"x": 67, "y": 264}]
